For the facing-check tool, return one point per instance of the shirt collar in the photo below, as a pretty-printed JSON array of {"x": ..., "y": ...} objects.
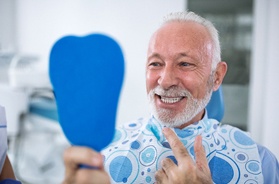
[{"x": 202, "y": 126}]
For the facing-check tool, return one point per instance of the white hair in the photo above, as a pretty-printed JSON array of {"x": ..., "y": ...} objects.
[{"x": 191, "y": 16}]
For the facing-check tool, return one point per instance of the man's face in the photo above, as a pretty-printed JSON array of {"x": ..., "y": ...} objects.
[{"x": 178, "y": 73}]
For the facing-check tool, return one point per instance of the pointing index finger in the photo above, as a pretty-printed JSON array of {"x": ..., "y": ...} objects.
[{"x": 179, "y": 151}]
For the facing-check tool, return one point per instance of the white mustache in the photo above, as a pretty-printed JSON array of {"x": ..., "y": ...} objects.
[{"x": 171, "y": 92}]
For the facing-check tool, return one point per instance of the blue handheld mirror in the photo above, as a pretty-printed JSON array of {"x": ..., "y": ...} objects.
[{"x": 87, "y": 75}]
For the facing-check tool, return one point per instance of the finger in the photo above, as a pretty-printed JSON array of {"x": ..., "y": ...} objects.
[
  {"x": 76, "y": 155},
  {"x": 168, "y": 166},
  {"x": 160, "y": 176},
  {"x": 200, "y": 154},
  {"x": 176, "y": 145},
  {"x": 91, "y": 176}
]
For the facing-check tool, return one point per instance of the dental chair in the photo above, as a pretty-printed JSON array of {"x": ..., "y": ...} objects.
[
  {"x": 215, "y": 107},
  {"x": 40, "y": 144}
]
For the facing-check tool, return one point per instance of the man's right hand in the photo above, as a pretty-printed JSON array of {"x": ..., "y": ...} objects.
[{"x": 74, "y": 174}]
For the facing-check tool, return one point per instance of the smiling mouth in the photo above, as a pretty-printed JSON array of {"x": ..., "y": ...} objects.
[{"x": 170, "y": 100}]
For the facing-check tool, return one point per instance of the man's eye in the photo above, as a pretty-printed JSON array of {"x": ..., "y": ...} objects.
[
  {"x": 184, "y": 64},
  {"x": 154, "y": 64}
]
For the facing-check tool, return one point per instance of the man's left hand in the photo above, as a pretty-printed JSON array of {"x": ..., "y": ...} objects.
[{"x": 186, "y": 170}]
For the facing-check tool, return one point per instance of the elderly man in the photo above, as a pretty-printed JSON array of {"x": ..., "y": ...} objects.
[{"x": 178, "y": 143}]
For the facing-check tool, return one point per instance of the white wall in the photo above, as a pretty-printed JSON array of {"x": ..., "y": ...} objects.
[
  {"x": 40, "y": 23},
  {"x": 7, "y": 25},
  {"x": 264, "y": 90}
]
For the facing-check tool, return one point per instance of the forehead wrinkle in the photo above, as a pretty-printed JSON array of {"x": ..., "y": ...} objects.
[
  {"x": 180, "y": 55},
  {"x": 154, "y": 55}
]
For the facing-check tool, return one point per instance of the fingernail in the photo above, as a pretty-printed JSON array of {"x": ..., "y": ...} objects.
[{"x": 166, "y": 129}]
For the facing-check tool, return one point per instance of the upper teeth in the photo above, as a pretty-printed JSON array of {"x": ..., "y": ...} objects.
[{"x": 170, "y": 100}]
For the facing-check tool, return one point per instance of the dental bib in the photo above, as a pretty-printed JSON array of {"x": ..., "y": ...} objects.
[{"x": 139, "y": 147}]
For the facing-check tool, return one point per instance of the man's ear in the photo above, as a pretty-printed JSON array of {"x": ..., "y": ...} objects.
[{"x": 219, "y": 75}]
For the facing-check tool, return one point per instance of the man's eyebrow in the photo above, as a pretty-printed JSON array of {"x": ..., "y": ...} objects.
[
  {"x": 178, "y": 55},
  {"x": 183, "y": 54},
  {"x": 154, "y": 55}
]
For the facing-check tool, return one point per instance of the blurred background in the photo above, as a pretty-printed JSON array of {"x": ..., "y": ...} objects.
[{"x": 28, "y": 29}]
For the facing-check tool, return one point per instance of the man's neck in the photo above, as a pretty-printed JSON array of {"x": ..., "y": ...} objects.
[{"x": 197, "y": 118}]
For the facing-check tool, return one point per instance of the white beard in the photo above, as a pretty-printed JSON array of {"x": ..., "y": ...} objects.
[{"x": 173, "y": 119}]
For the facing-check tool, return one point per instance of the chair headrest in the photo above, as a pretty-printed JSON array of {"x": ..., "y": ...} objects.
[{"x": 215, "y": 107}]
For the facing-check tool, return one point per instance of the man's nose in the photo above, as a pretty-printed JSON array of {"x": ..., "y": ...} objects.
[{"x": 168, "y": 78}]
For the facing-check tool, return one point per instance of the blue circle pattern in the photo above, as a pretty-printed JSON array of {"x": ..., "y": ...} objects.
[
  {"x": 120, "y": 169},
  {"x": 243, "y": 139},
  {"x": 166, "y": 145},
  {"x": 184, "y": 133},
  {"x": 173, "y": 159},
  {"x": 135, "y": 145},
  {"x": 221, "y": 166},
  {"x": 253, "y": 167},
  {"x": 132, "y": 125},
  {"x": 241, "y": 157},
  {"x": 148, "y": 155},
  {"x": 148, "y": 179},
  {"x": 231, "y": 153}
]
